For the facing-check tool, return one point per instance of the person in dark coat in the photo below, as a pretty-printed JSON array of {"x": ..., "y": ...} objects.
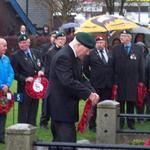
[
  {"x": 98, "y": 69},
  {"x": 129, "y": 73},
  {"x": 67, "y": 86},
  {"x": 147, "y": 83},
  {"x": 45, "y": 31},
  {"x": 26, "y": 63},
  {"x": 59, "y": 42},
  {"x": 22, "y": 30},
  {"x": 141, "y": 110},
  {"x": 46, "y": 46}
]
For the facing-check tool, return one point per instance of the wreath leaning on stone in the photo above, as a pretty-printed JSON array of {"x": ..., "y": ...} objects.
[{"x": 6, "y": 102}]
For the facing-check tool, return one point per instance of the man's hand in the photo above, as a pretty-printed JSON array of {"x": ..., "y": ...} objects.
[
  {"x": 4, "y": 88},
  {"x": 94, "y": 97},
  {"x": 40, "y": 73},
  {"x": 29, "y": 79}
]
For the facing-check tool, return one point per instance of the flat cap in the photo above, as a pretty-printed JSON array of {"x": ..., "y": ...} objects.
[
  {"x": 125, "y": 32},
  {"x": 86, "y": 39},
  {"x": 22, "y": 37}
]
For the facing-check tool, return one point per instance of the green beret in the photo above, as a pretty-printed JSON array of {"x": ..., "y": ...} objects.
[
  {"x": 59, "y": 34},
  {"x": 22, "y": 37},
  {"x": 86, "y": 39}
]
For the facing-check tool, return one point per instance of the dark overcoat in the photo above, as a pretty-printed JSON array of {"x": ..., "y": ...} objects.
[
  {"x": 99, "y": 73},
  {"x": 24, "y": 67},
  {"x": 47, "y": 58},
  {"x": 66, "y": 86},
  {"x": 128, "y": 71}
]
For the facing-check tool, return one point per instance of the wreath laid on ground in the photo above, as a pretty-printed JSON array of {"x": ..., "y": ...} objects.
[
  {"x": 37, "y": 88},
  {"x": 6, "y": 102}
]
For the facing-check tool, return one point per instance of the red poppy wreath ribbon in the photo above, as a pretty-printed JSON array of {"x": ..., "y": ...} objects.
[
  {"x": 6, "y": 102},
  {"x": 86, "y": 116},
  {"x": 37, "y": 88}
]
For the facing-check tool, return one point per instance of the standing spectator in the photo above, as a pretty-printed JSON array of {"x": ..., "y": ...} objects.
[
  {"x": 26, "y": 63},
  {"x": 69, "y": 34},
  {"x": 45, "y": 47},
  {"x": 6, "y": 78},
  {"x": 129, "y": 75},
  {"x": 115, "y": 42},
  {"x": 22, "y": 30},
  {"x": 141, "y": 110},
  {"x": 98, "y": 68},
  {"x": 67, "y": 87},
  {"x": 45, "y": 31},
  {"x": 59, "y": 42},
  {"x": 140, "y": 37}
]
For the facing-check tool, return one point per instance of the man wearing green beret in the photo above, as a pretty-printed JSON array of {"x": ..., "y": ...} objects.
[
  {"x": 68, "y": 86},
  {"x": 59, "y": 42}
]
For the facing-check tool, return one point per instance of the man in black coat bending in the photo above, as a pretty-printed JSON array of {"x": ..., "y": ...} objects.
[
  {"x": 129, "y": 74},
  {"x": 67, "y": 87}
]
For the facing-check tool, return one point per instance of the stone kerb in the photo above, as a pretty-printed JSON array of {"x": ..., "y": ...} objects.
[
  {"x": 20, "y": 137},
  {"x": 107, "y": 122}
]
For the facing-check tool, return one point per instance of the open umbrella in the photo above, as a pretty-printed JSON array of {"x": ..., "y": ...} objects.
[
  {"x": 105, "y": 23},
  {"x": 141, "y": 29},
  {"x": 69, "y": 25}
]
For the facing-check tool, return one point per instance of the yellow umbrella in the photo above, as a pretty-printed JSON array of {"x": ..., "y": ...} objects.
[{"x": 105, "y": 23}]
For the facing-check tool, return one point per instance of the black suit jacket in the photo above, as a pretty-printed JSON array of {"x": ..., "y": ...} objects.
[
  {"x": 45, "y": 47},
  {"x": 99, "y": 73},
  {"x": 128, "y": 71},
  {"x": 66, "y": 86},
  {"x": 24, "y": 67},
  {"x": 47, "y": 58}
]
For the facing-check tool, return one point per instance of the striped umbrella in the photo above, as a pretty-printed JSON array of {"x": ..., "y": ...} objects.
[{"x": 105, "y": 23}]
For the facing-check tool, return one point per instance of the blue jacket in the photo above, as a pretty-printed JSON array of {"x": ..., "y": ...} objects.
[{"x": 6, "y": 72}]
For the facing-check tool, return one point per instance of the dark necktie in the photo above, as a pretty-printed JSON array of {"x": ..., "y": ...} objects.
[
  {"x": 127, "y": 49},
  {"x": 29, "y": 56},
  {"x": 102, "y": 56}
]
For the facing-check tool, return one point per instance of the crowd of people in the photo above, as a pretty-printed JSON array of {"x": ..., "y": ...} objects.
[{"x": 78, "y": 66}]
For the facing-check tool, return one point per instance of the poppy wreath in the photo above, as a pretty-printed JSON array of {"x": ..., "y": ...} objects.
[
  {"x": 86, "y": 116},
  {"x": 37, "y": 88},
  {"x": 142, "y": 91},
  {"x": 6, "y": 102}
]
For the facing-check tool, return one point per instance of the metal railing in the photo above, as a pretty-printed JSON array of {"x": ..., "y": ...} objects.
[
  {"x": 139, "y": 116},
  {"x": 57, "y": 145}
]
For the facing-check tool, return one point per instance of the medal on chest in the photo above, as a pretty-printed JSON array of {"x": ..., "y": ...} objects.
[
  {"x": 133, "y": 56},
  {"x": 38, "y": 63}
]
